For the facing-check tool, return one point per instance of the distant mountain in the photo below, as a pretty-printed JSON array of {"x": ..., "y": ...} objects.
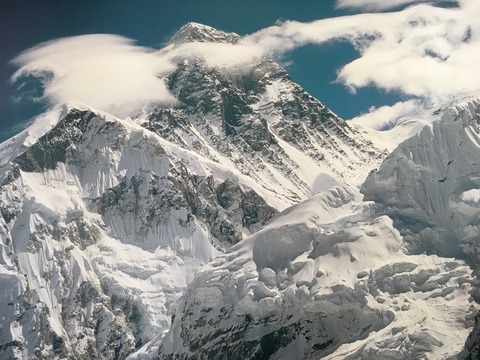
[{"x": 245, "y": 197}]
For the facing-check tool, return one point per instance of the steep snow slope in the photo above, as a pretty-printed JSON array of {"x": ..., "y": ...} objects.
[{"x": 429, "y": 185}]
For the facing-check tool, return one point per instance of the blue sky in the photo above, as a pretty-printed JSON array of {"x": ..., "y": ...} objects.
[{"x": 314, "y": 64}]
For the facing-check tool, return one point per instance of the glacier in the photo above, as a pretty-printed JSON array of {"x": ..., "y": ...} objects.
[{"x": 324, "y": 284}]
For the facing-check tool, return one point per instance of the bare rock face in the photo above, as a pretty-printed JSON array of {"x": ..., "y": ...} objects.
[{"x": 472, "y": 345}]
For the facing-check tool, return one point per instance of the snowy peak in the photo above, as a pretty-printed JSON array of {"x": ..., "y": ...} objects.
[
  {"x": 195, "y": 32},
  {"x": 440, "y": 216},
  {"x": 258, "y": 111}
]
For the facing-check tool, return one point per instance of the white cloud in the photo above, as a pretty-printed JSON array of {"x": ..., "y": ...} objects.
[
  {"x": 423, "y": 51},
  {"x": 216, "y": 54},
  {"x": 381, "y": 5},
  {"x": 105, "y": 71},
  {"x": 386, "y": 117},
  {"x": 111, "y": 73}
]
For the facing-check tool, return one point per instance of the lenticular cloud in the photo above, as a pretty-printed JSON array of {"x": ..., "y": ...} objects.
[{"x": 105, "y": 71}]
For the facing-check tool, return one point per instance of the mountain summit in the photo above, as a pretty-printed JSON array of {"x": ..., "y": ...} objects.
[{"x": 195, "y": 32}]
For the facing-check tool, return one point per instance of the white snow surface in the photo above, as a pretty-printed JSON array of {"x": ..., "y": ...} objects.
[
  {"x": 429, "y": 184},
  {"x": 297, "y": 264}
]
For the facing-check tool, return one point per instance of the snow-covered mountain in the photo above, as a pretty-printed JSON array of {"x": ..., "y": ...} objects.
[
  {"x": 105, "y": 220},
  {"x": 245, "y": 197},
  {"x": 341, "y": 276}
]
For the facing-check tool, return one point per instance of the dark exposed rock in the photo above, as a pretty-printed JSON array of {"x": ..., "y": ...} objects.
[
  {"x": 211, "y": 334},
  {"x": 472, "y": 345},
  {"x": 224, "y": 208},
  {"x": 59, "y": 144}
]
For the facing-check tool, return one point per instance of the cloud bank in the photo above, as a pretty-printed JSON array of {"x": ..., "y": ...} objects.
[{"x": 423, "y": 51}]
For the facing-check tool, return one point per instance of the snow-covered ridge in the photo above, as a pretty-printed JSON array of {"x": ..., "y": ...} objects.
[
  {"x": 426, "y": 184},
  {"x": 16, "y": 145}
]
